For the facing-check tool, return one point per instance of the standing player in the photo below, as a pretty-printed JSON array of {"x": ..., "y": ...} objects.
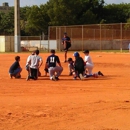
[
  {"x": 34, "y": 62},
  {"x": 54, "y": 70},
  {"x": 67, "y": 44},
  {"x": 15, "y": 68}
]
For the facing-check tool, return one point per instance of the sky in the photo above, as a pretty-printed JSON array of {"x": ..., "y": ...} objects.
[{"x": 38, "y": 2}]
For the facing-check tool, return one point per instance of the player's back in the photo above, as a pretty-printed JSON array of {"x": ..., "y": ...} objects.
[
  {"x": 52, "y": 60},
  {"x": 88, "y": 59},
  {"x": 79, "y": 63},
  {"x": 35, "y": 59}
]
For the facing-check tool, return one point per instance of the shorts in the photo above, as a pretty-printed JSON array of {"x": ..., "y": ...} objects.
[
  {"x": 16, "y": 71},
  {"x": 68, "y": 45}
]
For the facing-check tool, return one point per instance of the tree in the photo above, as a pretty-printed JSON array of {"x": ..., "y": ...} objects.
[
  {"x": 32, "y": 24},
  {"x": 35, "y": 20},
  {"x": 116, "y": 13},
  {"x": 7, "y": 22},
  {"x": 23, "y": 19},
  {"x": 74, "y": 12}
]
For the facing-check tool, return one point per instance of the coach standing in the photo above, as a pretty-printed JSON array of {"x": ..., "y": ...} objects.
[{"x": 67, "y": 44}]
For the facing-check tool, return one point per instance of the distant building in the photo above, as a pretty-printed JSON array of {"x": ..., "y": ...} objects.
[{"x": 5, "y": 7}]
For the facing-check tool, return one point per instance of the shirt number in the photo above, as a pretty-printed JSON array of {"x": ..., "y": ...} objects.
[{"x": 52, "y": 59}]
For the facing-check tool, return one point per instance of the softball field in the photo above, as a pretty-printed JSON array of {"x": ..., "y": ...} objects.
[{"x": 101, "y": 103}]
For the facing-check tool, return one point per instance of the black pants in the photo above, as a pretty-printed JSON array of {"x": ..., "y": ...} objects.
[
  {"x": 79, "y": 72},
  {"x": 68, "y": 45},
  {"x": 33, "y": 73}
]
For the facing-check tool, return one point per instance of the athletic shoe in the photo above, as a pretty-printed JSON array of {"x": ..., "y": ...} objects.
[
  {"x": 81, "y": 76},
  {"x": 53, "y": 78},
  {"x": 56, "y": 78},
  {"x": 100, "y": 73},
  {"x": 28, "y": 77},
  {"x": 18, "y": 77},
  {"x": 35, "y": 78},
  {"x": 74, "y": 78},
  {"x": 95, "y": 75},
  {"x": 10, "y": 75},
  {"x": 85, "y": 76}
]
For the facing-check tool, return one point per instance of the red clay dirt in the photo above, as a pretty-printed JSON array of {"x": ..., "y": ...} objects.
[{"x": 101, "y": 103}]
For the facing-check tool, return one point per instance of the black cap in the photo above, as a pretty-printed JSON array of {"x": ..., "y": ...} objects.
[
  {"x": 86, "y": 51},
  {"x": 52, "y": 51},
  {"x": 65, "y": 33},
  {"x": 37, "y": 52},
  {"x": 69, "y": 59}
]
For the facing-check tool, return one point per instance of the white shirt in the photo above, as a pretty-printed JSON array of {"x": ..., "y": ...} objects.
[
  {"x": 33, "y": 61},
  {"x": 88, "y": 60}
]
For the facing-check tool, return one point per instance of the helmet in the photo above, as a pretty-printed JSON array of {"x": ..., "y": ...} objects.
[{"x": 76, "y": 54}]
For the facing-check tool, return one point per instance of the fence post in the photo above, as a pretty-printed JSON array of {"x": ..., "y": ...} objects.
[
  {"x": 59, "y": 38},
  {"x": 48, "y": 38},
  {"x": 71, "y": 30},
  {"x": 82, "y": 39},
  {"x": 121, "y": 37},
  {"x": 100, "y": 37}
]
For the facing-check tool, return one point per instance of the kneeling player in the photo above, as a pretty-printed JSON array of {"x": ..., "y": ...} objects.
[
  {"x": 70, "y": 66},
  {"x": 78, "y": 66}
]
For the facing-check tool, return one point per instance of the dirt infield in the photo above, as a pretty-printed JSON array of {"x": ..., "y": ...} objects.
[{"x": 94, "y": 104}]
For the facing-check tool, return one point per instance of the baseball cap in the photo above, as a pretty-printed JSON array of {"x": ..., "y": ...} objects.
[
  {"x": 65, "y": 33},
  {"x": 52, "y": 51},
  {"x": 37, "y": 52},
  {"x": 76, "y": 54},
  {"x": 86, "y": 51}
]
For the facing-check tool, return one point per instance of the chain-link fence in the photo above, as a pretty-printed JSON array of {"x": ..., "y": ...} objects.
[
  {"x": 30, "y": 43},
  {"x": 93, "y": 37},
  {"x": 27, "y": 43}
]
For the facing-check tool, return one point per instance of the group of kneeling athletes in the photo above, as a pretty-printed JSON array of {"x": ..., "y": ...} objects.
[{"x": 78, "y": 67}]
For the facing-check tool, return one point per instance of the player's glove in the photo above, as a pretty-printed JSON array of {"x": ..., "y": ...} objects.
[{"x": 46, "y": 70}]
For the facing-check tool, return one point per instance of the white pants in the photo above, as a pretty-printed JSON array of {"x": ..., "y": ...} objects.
[
  {"x": 89, "y": 67},
  {"x": 56, "y": 69}
]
